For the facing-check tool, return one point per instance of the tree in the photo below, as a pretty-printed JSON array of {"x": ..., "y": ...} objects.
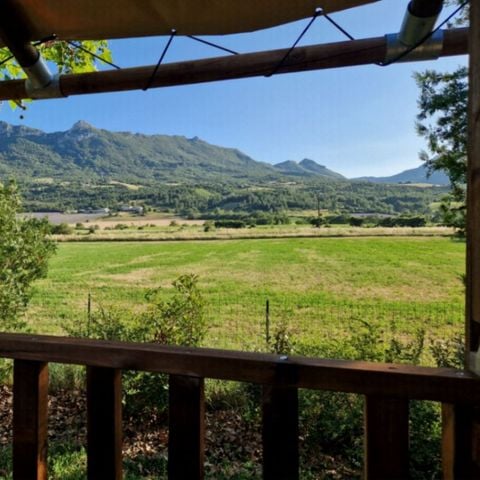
[
  {"x": 24, "y": 252},
  {"x": 69, "y": 58},
  {"x": 443, "y": 122}
]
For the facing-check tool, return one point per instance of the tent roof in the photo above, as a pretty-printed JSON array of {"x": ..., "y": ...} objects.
[{"x": 108, "y": 19}]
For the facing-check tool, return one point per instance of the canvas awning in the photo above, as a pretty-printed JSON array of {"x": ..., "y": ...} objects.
[{"x": 108, "y": 19}]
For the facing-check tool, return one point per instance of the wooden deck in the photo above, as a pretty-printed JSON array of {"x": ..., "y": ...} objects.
[{"x": 387, "y": 389}]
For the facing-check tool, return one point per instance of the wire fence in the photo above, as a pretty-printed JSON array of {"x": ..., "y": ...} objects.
[{"x": 253, "y": 322}]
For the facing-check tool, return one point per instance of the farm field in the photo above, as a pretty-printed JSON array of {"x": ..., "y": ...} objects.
[{"x": 319, "y": 288}]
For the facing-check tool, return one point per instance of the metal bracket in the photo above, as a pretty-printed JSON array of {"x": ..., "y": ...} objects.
[
  {"x": 431, "y": 49},
  {"x": 51, "y": 90},
  {"x": 40, "y": 82}
]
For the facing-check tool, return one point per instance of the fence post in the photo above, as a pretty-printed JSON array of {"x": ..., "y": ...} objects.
[
  {"x": 104, "y": 423},
  {"x": 386, "y": 438},
  {"x": 267, "y": 322},
  {"x": 89, "y": 313},
  {"x": 186, "y": 443},
  {"x": 30, "y": 407}
]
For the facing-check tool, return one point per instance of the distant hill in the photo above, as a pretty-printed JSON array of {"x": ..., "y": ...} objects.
[
  {"x": 307, "y": 168},
  {"x": 413, "y": 175},
  {"x": 90, "y": 154}
]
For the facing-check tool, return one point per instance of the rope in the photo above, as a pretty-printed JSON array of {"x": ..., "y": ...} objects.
[
  {"x": 94, "y": 55},
  {"x": 338, "y": 27},
  {"x": 162, "y": 56},
  {"x": 318, "y": 12},
  {"x": 5, "y": 60},
  {"x": 211, "y": 44}
]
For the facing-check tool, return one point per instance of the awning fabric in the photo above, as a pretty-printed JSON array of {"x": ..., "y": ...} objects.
[{"x": 108, "y": 19}]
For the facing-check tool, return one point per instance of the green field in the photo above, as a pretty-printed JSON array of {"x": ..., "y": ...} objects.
[{"x": 319, "y": 287}]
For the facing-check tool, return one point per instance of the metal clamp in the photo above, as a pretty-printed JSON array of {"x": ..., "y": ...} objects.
[
  {"x": 52, "y": 90},
  {"x": 431, "y": 49}
]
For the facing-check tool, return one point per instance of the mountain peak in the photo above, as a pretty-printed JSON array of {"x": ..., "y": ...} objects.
[
  {"x": 82, "y": 125},
  {"x": 309, "y": 163}
]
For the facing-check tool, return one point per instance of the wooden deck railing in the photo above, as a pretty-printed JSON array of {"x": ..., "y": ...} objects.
[{"x": 387, "y": 389}]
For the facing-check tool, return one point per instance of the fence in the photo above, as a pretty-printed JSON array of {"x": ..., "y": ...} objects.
[
  {"x": 387, "y": 388},
  {"x": 245, "y": 323}
]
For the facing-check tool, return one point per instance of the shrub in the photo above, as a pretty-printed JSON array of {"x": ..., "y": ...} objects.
[
  {"x": 177, "y": 320},
  {"x": 230, "y": 224},
  {"x": 61, "y": 229}
]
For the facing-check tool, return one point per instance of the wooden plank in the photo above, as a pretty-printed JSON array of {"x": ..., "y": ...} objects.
[
  {"x": 473, "y": 187},
  {"x": 30, "y": 409},
  {"x": 104, "y": 424},
  {"x": 186, "y": 438},
  {"x": 280, "y": 433},
  {"x": 472, "y": 323},
  {"x": 422, "y": 383},
  {"x": 386, "y": 438},
  {"x": 458, "y": 434},
  {"x": 314, "y": 57}
]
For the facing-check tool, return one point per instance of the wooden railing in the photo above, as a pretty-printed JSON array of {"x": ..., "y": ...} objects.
[{"x": 387, "y": 389}]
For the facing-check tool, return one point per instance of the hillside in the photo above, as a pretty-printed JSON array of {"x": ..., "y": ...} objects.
[
  {"x": 307, "y": 168},
  {"x": 85, "y": 153},
  {"x": 91, "y": 154},
  {"x": 413, "y": 175}
]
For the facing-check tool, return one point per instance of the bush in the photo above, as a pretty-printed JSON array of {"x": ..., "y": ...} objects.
[
  {"x": 120, "y": 226},
  {"x": 61, "y": 229},
  {"x": 177, "y": 320},
  {"x": 230, "y": 224}
]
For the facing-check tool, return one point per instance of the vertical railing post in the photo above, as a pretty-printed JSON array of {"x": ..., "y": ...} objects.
[
  {"x": 473, "y": 229},
  {"x": 457, "y": 442},
  {"x": 104, "y": 423},
  {"x": 30, "y": 409},
  {"x": 386, "y": 438},
  {"x": 186, "y": 437},
  {"x": 473, "y": 189},
  {"x": 280, "y": 433}
]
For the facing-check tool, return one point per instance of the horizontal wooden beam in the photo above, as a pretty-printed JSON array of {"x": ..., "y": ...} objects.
[
  {"x": 404, "y": 381},
  {"x": 301, "y": 59}
]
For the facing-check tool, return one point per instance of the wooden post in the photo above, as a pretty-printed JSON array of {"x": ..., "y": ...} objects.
[
  {"x": 104, "y": 423},
  {"x": 471, "y": 432},
  {"x": 280, "y": 433},
  {"x": 186, "y": 442},
  {"x": 473, "y": 187},
  {"x": 458, "y": 434},
  {"x": 30, "y": 407},
  {"x": 386, "y": 438}
]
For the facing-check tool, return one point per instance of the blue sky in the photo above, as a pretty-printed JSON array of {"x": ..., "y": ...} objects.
[{"x": 357, "y": 121}]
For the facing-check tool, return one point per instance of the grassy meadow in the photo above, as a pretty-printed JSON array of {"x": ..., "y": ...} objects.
[{"x": 319, "y": 287}]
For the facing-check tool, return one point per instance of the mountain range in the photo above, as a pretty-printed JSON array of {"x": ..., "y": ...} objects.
[{"x": 86, "y": 153}]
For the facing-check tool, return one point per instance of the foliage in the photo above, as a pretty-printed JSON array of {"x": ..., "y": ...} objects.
[
  {"x": 442, "y": 121},
  {"x": 61, "y": 229},
  {"x": 335, "y": 420},
  {"x": 24, "y": 252},
  {"x": 66, "y": 56},
  {"x": 178, "y": 320}
]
